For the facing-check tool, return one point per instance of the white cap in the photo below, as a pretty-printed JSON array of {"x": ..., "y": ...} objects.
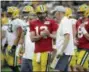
[{"x": 59, "y": 8}]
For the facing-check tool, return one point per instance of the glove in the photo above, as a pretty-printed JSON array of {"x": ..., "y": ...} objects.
[
  {"x": 12, "y": 51},
  {"x": 4, "y": 48}
]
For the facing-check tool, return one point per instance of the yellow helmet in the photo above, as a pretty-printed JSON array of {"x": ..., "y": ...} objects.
[
  {"x": 41, "y": 8},
  {"x": 82, "y": 8},
  {"x": 28, "y": 9},
  {"x": 68, "y": 12},
  {"x": 86, "y": 13},
  {"x": 4, "y": 20},
  {"x": 10, "y": 9},
  {"x": 16, "y": 12}
]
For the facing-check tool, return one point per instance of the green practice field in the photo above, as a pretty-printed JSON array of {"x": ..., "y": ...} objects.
[{"x": 5, "y": 69}]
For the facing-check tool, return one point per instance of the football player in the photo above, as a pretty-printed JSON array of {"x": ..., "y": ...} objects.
[
  {"x": 27, "y": 15},
  {"x": 4, "y": 23},
  {"x": 82, "y": 27},
  {"x": 13, "y": 36},
  {"x": 5, "y": 29},
  {"x": 43, "y": 30}
]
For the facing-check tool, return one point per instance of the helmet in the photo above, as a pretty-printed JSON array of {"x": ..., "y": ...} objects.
[
  {"x": 10, "y": 9},
  {"x": 16, "y": 12},
  {"x": 82, "y": 8},
  {"x": 28, "y": 9},
  {"x": 86, "y": 13},
  {"x": 41, "y": 8},
  {"x": 68, "y": 12}
]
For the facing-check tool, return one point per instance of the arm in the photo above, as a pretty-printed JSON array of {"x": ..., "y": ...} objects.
[
  {"x": 21, "y": 40},
  {"x": 16, "y": 41},
  {"x": 19, "y": 33},
  {"x": 54, "y": 29},
  {"x": 53, "y": 35},
  {"x": 86, "y": 36},
  {"x": 74, "y": 31},
  {"x": 20, "y": 49},
  {"x": 74, "y": 27},
  {"x": 85, "y": 33},
  {"x": 66, "y": 41},
  {"x": 33, "y": 37},
  {"x": 3, "y": 34}
]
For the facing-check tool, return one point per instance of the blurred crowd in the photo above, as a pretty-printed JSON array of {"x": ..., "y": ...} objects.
[{"x": 51, "y": 4}]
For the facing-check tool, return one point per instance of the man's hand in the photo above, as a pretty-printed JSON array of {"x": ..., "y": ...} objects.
[
  {"x": 12, "y": 51},
  {"x": 45, "y": 33},
  {"x": 60, "y": 54}
]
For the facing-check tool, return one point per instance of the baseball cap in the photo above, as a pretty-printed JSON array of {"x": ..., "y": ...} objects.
[{"x": 59, "y": 8}]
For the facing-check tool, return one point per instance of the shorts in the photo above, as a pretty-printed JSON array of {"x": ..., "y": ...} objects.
[
  {"x": 26, "y": 65},
  {"x": 2, "y": 58},
  {"x": 63, "y": 62},
  {"x": 73, "y": 60},
  {"x": 42, "y": 65},
  {"x": 83, "y": 57}
]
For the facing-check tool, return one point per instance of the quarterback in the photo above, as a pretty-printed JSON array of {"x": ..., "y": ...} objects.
[{"x": 42, "y": 31}]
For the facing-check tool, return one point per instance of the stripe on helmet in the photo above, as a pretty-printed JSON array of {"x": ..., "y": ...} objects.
[{"x": 42, "y": 8}]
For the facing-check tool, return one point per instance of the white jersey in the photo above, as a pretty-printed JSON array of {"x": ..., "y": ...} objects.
[
  {"x": 4, "y": 28},
  {"x": 17, "y": 23},
  {"x": 11, "y": 34},
  {"x": 29, "y": 45},
  {"x": 65, "y": 27}
]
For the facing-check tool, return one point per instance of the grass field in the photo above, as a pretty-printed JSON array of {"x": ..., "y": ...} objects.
[{"x": 5, "y": 69}]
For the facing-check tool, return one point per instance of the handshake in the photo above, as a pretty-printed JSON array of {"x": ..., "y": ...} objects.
[{"x": 45, "y": 33}]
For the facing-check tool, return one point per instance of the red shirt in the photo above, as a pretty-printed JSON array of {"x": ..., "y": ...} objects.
[
  {"x": 83, "y": 42},
  {"x": 44, "y": 44}
]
